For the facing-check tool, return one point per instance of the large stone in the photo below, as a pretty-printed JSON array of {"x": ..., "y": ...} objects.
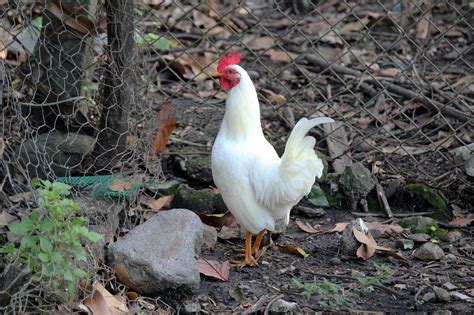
[
  {"x": 160, "y": 255},
  {"x": 420, "y": 197},
  {"x": 418, "y": 224},
  {"x": 465, "y": 154},
  {"x": 429, "y": 251},
  {"x": 356, "y": 182},
  {"x": 203, "y": 200}
]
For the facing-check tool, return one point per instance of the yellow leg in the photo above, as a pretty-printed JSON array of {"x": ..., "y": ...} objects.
[
  {"x": 248, "y": 260},
  {"x": 258, "y": 241}
]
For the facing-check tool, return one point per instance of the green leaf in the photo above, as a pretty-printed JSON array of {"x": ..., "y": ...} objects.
[
  {"x": 8, "y": 249},
  {"x": 43, "y": 257},
  {"x": 151, "y": 39},
  {"x": 317, "y": 197},
  {"x": 61, "y": 188},
  {"x": 57, "y": 257},
  {"x": 29, "y": 241},
  {"x": 78, "y": 252},
  {"x": 36, "y": 183},
  {"x": 34, "y": 217},
  {"x": 93, "y": 236},
  {"x": 22, "y": 228},
  {"x": 45, "y": 245},
  {"x": 78, "y": 272},
  {"x": 68, "y": 275},
  {"x": 47, "y": 226}
]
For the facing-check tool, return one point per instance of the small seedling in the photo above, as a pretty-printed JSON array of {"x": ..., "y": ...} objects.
[
  {"x": 51, "y": 238},
  {"x": 332, "y": 296},
  {"x": 384, "y": 274}
]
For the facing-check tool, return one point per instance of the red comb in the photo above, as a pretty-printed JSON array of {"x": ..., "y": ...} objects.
[{"x": 232, "y": 58}]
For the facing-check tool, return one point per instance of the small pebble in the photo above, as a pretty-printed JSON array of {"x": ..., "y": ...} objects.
[
  {"x": 441, "y": 294},
  {"x": 428, "y": 297},
  {"x": 449, "y": 258},
  {"x": 429, "y": 251},
  {"x": 335, "y": 261}
]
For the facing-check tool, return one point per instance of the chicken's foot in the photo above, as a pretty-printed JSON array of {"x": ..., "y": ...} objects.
[{"x": 248, "y": 260}]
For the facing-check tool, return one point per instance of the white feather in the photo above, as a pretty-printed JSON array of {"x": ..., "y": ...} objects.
[{"x": 257, "y": 186}]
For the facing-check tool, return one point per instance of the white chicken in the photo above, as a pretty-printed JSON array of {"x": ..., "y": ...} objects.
[{"x": 257, "y": 185}]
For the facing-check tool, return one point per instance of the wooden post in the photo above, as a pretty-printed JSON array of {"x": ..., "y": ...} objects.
[{"x": 116, "y": 88}]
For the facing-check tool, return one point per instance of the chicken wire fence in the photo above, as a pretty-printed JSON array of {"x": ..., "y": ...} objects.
[{"x": 83, "y": 80}]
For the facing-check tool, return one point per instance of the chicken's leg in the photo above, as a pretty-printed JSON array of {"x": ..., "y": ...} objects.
[
  {"x": 248, "y": 260},
  {"x": 256, "y": 245}
]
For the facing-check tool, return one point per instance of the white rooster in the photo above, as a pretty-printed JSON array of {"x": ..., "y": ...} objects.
[{"x": 256, "y": 184}]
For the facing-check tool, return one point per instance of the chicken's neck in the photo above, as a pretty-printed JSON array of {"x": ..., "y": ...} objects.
[{"x": 242, "y": 113}]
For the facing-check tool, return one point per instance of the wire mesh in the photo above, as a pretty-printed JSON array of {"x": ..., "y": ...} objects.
[{"x": 81, "y": 82}]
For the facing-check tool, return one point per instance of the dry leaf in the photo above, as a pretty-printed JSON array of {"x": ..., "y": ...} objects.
[
  {"x": 331, "y": 38},
  {"x": 385, "y": 228},
  {"x": 306, "y": 227},
  {"x": 165, "y": 124},
  {"x": 412, "y": 150},
  {"x": 132, "y": 295},
  {"x": 6, "y": 218},
  {"x": 295, "y": 250},
  {"x": 368, "y": 244},
  {"x": 423, "y": 27},
  {"x": 122, "y": 274},
  {"x": 273, "y": 97},
  {"x": 390, "y": 252},
  {"x": 461, "y": 222},
  {"x": 218, "y": 220},
  {"x": 215, "y": 269},
  {"x": 162, "y": 202},
  {"x": 280, "y": 56},
  {"x": 400, "y": 286},
  {"x": 120, "y": 185},
  {"x": 26, "y": 196},
  {"x": 390, "y": 72},
  {"x": 356, "y": 26},
  {"x": 339, "y": 227},
  {"x": 337, "y": 139},
  {"x": 104, "y": 303},
  {"x": 259, "y": 43}
]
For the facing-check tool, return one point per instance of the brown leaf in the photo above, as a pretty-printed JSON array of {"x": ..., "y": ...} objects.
[
  {"x": 104, "y": 303},
  {"x": 218, "y": 220},
  {"x": 385, "y": 228},
  {"x": 26, "y": 196},
  {"x": 461, "y": 222},
  {"x": 306, "y": 227},
  {"x": 132, "y": 295},
  {"x": 215, "y": 269},
  {"x": 337, "y": 139},
  {"x": 122, "y": 274},
  {"x": 423, "y": 27},
  {"x": 162, "y": 202},
  {"x": 259, "y": 43},
  {"x": 293, "y": 249},
  {"x": 273, "y": 97},
  {"x": 407, "y": 150},
  {"x": 390, "y": 72},
  {"x": 120, "y": 185},
  {"x": 6, "y": 218},
  {"x": 339, "y": 227},
  {"x": 280, "y": 55},
  {"x": 165, "y": 124},
  {"x": 368, "y": 244},
  {"x": 390, "y": 252}
]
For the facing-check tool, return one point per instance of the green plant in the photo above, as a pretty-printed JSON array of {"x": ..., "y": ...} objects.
[
  {"x": 51, "y": 238},
  {"x": 384, "y": 274},
  {"x": 332, "y": 296}
]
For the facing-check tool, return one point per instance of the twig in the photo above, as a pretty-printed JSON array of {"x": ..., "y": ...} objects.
[
  {"x": 395, "y": 215},
  {"x": 72, "y": 99},
  {"x": 382, "y": 198},
  {"x": 267, "y": 308},
  {"x": 394, "y": 88}
]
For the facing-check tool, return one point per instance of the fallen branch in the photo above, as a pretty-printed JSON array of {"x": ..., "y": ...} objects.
[{"x": 392, "y": 87}]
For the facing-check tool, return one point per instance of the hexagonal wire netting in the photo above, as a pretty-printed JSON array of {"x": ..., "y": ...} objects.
[{"x": 82, "y": 81}]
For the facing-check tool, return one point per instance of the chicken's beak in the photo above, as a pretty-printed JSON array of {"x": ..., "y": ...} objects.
[{"x": 216, "y": 74}]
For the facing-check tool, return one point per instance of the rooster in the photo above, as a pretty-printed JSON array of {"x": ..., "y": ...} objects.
[{"x": 257, "y": 185}]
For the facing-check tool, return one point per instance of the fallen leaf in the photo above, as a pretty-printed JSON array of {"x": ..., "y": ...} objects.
[
  {"x": 400, "y": 286},
  {"x": 368, "y": 244},
  {"x": 306, "y": 227},
  {"x": 423, "y": 27},
  {"x": 385, "y": 228},
  {"x": 122, "y": 274},
  {"x": 132, "y": 295},
  {"x": 273, "y": 97},
  {"x": 162, "y": 202},
  {"x": 331, "y": 38},
  {"x": 120, "y": 185},
  {"x": 390, "y": 72},
  {"x": 215, "y": 269},
  {"x": 470, "y": 291},
  {"x": 293, "y": 249},
  {"x": 390, "y": 252},
  {"x": 356, "y": 26},
  {"x": 337, "y": 139},
  {"x": 103, "y": 302},
  {"x": 165, "y": 124},
  {"x": 24, "y": 196},
  {"x": 412, "y": 150},
  {"x": 6, "y": 218},
  {"x": 339, "y": 227},
  {"x": 218, "y": 220},
  {"x": 259, "y": 43},
  {"x": 461, "y": 222},
  {"x": 280, "y": 55}
]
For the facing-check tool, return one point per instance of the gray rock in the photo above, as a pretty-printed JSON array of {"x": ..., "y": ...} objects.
[
  {"x": 417, "y": 224},
  {"x": 405, "y": 244},
  {"x": 356, "y": 182},
  {"x": 197, "y": 167},
  {"x": 309, "y": 212},
  {"x": 209, "y": 236},
  {"x": 203, "y": 201},
  {"x": 441, "y": 294},
  {"x": 282, "y": 306},
  {"x": 429, "y": 251},
  {"x": 427, "y": 297},
  {"x": 460, "y": 296},
  {"x": 449, "y": 258},
  {"x": 449, "y": 286},
  {"x": 160, "y": 255},
  {"x": 419, "y": 237},
  {"x": 335, "y": 261},
  {"x": 453, "y": 236},
  {"x": 348, "y": 244},
  {"x": 465, "y": 154},
  {"x": 192, "y": 308}
]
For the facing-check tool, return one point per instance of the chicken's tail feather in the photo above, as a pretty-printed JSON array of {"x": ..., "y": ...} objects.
[{"x": 299, "y": 161}]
